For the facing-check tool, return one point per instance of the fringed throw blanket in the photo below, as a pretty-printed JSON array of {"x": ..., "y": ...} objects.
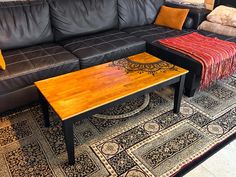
[{"x": 218, "y": 57}]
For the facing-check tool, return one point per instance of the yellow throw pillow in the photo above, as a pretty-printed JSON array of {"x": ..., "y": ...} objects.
[
  {"x": 171, "y": 17},
  {"x": 2, "y": 62}
]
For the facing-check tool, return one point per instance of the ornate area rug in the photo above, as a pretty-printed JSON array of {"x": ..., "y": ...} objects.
[{"x": 140, "y": 138}]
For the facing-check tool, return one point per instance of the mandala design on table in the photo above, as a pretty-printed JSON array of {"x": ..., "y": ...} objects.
[
  {"x": 152, "y": 68},
  {"x": 125, "y": 109}
]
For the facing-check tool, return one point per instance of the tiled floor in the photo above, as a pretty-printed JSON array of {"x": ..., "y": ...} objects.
[{"x": 221, "y": 164}]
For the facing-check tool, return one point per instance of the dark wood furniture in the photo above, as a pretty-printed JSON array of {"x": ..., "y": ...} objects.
[{"x": 84, "y": 93}]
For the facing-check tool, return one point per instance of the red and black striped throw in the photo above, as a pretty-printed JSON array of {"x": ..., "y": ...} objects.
[{"x": 218, "y": 57}]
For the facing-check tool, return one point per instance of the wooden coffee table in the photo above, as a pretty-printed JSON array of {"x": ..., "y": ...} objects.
[{"x": 83, "y": 93}]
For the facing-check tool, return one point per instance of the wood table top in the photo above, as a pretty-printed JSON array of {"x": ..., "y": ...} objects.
[{"x": 78, "y": 92}]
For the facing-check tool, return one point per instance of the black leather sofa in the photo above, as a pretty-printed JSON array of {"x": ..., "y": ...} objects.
[
  {"x": 230, "y": 3},
  {"x": 42, "y": 39}
]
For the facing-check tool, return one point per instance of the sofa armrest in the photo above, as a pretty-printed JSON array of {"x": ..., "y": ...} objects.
[{"x": 197, "y": 14}]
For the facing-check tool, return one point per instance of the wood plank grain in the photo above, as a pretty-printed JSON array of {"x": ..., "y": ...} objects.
[{"x": 78, "y": 92}]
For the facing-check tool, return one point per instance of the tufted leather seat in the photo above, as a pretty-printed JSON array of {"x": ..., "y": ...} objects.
[
  {"x": 103, "y": 47},
  {"x": 27, "y": 65}
]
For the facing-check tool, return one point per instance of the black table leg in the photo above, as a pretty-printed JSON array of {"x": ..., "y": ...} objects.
[
  {"x": 179, "y": 87},
  {"x": 69, "y": 140},
  {"x": 44, "y": 106}
]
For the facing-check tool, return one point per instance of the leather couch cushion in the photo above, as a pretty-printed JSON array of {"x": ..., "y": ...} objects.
[
  {"x": 27, "y": 65},
  {"x": 24, "y": 23},
  {"x": 104, "y": 47},
  {"x": 137, "y": 12},
  {"x": 18, "y": 98},
  {"x": 219, "y": 36},
  {"x": 80, "y": 17}
]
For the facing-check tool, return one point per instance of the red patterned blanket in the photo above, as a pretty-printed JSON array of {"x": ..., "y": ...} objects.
[{"x": 218, "y": 57}]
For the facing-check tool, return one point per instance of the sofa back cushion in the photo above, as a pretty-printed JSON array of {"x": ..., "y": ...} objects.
[
  {"x": 80, "y": 17},
  {"x": 24, "y": 23},
  {"x": 137, "y": 12}
]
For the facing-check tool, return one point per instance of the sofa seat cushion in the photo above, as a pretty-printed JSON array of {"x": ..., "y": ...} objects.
[
  {"x": 153, "y": 33},
  {"x": 104, "y": 47},
  {"x": 219, "y": 36},
  {"x": 27, "y": 65}
]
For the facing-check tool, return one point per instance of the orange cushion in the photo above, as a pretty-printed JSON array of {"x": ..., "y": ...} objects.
[
  {"x": 171, "y": 17},
  {"x": 2, "y": 62}
]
